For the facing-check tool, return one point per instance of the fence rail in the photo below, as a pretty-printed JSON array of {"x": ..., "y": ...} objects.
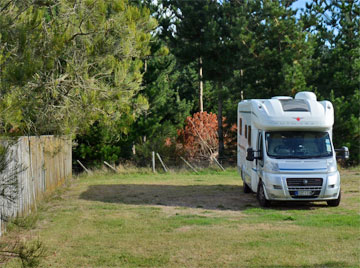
[{"x": 44, "y": 164}]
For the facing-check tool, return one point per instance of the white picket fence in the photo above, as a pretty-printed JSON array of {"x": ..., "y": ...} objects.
[{"x": 45, "y": 163}]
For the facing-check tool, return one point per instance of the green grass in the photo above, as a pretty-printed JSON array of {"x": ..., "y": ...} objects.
[
  {"x": 187, "y": 220},
  {"x": 314, "y": 219}
]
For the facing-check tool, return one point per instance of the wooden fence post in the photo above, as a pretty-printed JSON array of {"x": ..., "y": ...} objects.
[
  {"x": 187, "y": 163},
  {"x": 153, "y": 161},
  {"x": 110, "y": 166},
  {"x": 88, "y": 171},
  {"x": 217, "y": 162},
  {"x": 162, "y": 163}
]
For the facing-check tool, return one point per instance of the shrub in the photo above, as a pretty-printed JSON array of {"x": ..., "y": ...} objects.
[{"x": 199, "y": 138}]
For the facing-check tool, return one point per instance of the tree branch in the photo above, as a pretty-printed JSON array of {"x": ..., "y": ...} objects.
[{"x": 80, "y": 34}]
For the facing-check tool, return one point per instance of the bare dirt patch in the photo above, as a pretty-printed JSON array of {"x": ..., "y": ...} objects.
[
  {"x": 215, "y": 197},
  {"x": 212, "y": 197}
]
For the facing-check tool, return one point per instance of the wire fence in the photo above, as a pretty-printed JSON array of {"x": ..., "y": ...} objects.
[{"x": 157, "y": 162}]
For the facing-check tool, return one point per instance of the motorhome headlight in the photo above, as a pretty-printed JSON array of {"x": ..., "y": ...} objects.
[
  {"x": 272, "y": 167},
  {"x": 331, "y": 166}
]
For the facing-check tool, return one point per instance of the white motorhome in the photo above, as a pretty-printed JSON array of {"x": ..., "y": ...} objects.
[{"x": 285, "y": 150}]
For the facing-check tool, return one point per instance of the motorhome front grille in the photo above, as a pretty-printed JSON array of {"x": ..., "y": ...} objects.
[
  {"x": 304, "y": 187},
  {"x": 304, "y": 182}
]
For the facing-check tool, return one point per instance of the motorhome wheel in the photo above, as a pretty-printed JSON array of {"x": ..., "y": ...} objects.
[
  {"x": 246, "y": 188},
  {"x": 335, "y": 202},
  {"x": 261, "y": 196}
]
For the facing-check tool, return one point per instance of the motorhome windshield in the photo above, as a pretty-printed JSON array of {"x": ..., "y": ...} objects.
[{"x": 298, "y": 144}]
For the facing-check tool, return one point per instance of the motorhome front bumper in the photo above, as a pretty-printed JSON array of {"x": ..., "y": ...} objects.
[{"x": 302, "y": 187}]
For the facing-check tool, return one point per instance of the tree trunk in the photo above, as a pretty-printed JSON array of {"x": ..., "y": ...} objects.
[
  {"x": 201, "y": 86},
  {"x": 220, "y": 126}
]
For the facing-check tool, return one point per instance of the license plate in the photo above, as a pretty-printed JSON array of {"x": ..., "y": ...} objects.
[{"x": 304, "y": 193}]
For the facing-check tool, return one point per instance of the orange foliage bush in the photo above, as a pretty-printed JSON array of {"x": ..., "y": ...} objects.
[{"x": 199, "y": 138}]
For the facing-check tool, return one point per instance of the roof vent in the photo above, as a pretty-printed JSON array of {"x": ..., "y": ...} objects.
[
  {"x": 282, "y": 98},
  {"x": 305, "y": 95},
  {"x": 294, "y": 106}
]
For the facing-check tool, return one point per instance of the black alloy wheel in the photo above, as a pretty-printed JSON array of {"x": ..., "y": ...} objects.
[{"x": 335, "y": 202}]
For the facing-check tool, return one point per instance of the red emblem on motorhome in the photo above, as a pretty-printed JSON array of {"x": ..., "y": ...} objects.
[{"x": 297, "y": 118}]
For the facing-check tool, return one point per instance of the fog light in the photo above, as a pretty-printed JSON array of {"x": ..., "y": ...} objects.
[
  {"x": 277, "y": 187},
  {"x": 331, "y": 186}
]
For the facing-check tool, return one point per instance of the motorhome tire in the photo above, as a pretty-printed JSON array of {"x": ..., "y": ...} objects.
[
  {"x": 261, "y": 196},
  {"x": 335, "y": 202},
  {"x": 246, "y": 188}
]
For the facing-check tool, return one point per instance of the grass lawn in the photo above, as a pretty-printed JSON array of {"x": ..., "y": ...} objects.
[{"x": 187, "y": 220}]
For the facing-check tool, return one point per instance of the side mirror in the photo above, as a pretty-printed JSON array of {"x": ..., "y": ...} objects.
[
  {"x": 250, "y": 154},
  {"x": 342, "y": 153}
]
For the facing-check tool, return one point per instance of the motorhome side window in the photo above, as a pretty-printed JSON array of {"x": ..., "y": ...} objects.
[
  {"x": 260, "y": 149},
  {"x": 249, "y": 136},
  {"x": 240, "y": 127},
  {"x": 298, "y": 144},
  {"x": 245, "y": 131}
]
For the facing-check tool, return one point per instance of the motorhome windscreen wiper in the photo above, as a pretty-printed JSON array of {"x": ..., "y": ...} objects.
[
  {"x": 321, "y": 156},
  {"x": 299, "y": 156},
  {"x": 289, "y": 157}
]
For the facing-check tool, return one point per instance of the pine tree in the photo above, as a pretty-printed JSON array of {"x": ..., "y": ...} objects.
[
  {"x": 336, "y": 65},
  {"x": 274, "y": 51},
  {"x": 65, "y": 66}
]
